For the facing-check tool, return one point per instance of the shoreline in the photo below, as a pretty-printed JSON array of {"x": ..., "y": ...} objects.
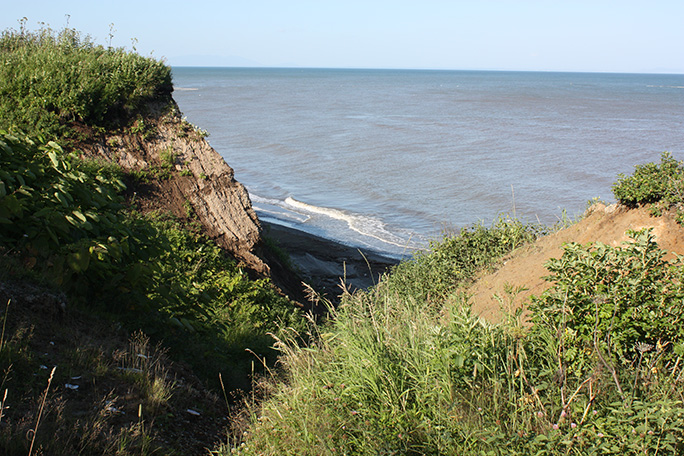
[{"x": 325, "y": 264}]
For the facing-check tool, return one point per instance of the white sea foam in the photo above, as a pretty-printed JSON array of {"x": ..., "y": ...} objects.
[
  {"x": 292, "y": 210},
  {"x": 364, "y": 225}
]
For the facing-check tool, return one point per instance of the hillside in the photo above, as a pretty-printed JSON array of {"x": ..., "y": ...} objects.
[
  {"x": 139, "y": 312},
  {"x": 134, "y": 284},
  {"x": 183, "y": 174},
  {"x": 427, "y": 362},
  {"x": 525, "y": 266}
]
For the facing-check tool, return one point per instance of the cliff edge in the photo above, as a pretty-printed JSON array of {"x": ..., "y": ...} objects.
[{"x": 181, "y": 173}]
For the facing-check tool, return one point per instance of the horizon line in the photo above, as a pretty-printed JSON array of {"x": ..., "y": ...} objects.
[{"x": 288, "y": 67}]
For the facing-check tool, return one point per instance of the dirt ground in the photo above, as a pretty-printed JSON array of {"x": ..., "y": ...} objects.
[{"x": 525, "y": 267}]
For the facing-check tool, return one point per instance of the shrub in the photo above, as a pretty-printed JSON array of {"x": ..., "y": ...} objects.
[
  {"x": 455, "y": 259},
  {"x": 65, "y": 215},
  {"x": 599, "y": 372},
  {"x": 615, "y": 300},
  {"x": 661, "y": 185},
  {"x": 49, "y": 80}
]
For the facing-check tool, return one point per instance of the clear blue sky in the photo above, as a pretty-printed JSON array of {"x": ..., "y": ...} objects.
[{"x": 545, "y": 35}]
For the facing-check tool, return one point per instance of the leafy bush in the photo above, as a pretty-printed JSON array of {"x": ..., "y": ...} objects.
[
  {"x": 615, "y": 300},
  {"x": 64, "y": 216},
  {"x": 661, "y": 185},
  {"x": 455, "y": 259},
  {"x": 599, "y": 372},
  {"x": 49, "y": 80}
]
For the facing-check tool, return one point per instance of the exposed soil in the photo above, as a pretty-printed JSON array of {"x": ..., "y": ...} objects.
[{"x": 525, "y": 267}]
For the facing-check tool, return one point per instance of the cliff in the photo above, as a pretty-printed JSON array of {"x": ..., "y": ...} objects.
[{"x": 183, "y": 174}]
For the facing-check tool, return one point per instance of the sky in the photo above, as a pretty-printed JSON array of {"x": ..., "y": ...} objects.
[{"x": 622, "y": 36}]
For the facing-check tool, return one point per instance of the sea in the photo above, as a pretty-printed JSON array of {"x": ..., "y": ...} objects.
[{"x": 390, "y": 160}]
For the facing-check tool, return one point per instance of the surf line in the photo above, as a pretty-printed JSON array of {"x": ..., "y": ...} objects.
[{"x": 354, "y": 222}]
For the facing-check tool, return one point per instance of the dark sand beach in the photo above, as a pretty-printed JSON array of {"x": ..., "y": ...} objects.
[{"x": 325, "y": 264}]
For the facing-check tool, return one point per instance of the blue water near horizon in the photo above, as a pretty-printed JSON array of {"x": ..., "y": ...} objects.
[{"x": 388, "y": 159}]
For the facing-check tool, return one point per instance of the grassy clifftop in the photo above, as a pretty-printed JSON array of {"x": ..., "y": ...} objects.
[{"x": 52, "y": 81}]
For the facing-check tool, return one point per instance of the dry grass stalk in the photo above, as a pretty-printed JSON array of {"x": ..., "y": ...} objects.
[{"x": 40, "y": 411}]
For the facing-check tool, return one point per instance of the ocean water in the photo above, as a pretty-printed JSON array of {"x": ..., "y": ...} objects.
[{"x": 389, "y": 159}]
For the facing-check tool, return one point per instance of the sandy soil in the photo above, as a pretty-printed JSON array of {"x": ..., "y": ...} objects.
[{"x": 525, "y": 267}]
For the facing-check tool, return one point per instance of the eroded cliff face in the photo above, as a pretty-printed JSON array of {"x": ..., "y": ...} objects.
[{"x": 186, "y": 177}]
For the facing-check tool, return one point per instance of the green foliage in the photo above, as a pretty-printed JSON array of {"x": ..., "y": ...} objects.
[
  {"x": 453, "y": 261},
  {"x": 65, "y": 218},
  {"x": 599, "y": 372},
  {"x": 613, "y": 301},
  {"x": 49, "y": 80},
  {"x": 197, "y": 285},
  {"x": 661, "y": 185}
]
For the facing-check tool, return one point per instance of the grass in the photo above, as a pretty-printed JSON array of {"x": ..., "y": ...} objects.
[
  {"x": 391, "y": 373},
  {"x": 51, "y": 81},
  {"x": 40, "y": 410},
  {"x": 130, "y": 399}
]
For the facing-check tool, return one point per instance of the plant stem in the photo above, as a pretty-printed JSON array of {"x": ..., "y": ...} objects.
[{"x": 40, "y": 411}]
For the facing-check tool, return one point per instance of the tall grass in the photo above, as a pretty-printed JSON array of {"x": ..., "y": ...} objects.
[{"x": 395, "y": 374}]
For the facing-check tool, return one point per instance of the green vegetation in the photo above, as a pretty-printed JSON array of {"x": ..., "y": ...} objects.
[
  {"x": 661, "y": 185},
  {"x": 65, "y": 218},
  {"x": 403, "y": 368},
  {"x": 450, "y": 263},
  {"x": 51, "y": 81},
  {"x": 67, "y": 235},
  {"x": 406, "y": 368},
  {"x": 599, "y": 372}
]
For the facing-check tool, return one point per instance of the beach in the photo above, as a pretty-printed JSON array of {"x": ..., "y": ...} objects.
[{"x": 325, "y": 264}]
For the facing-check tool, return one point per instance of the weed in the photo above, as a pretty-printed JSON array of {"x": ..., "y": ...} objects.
[
  {"x": 4, "y": 325},
  {"x": 40, "y": 411},
  {"x": 38, "y": 71},
  {"x": 168, "y": 157},
  {"x": 187, "y": 127},
  {"x": 3, "y": 404}
]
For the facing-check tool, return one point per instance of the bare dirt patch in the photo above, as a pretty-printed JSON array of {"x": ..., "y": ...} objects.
[{"x": 525, "y": 267}]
